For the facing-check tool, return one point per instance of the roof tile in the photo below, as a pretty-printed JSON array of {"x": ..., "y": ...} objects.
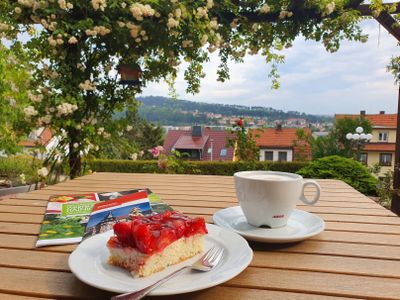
[
  {"x": 282, "y": 138},
  {"x": 377, "y": 120},
  {"x": 216, "y": 138}
]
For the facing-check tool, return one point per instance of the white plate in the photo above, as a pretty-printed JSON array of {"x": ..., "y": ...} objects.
[
  {"x": 301, "y": 225},
  {"x": 89, "y": 263}
]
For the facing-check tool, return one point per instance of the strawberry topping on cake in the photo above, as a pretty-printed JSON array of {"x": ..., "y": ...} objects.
[{"x": 149, "y": 244}]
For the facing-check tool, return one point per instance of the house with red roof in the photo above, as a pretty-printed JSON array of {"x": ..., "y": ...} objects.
[
  {"x": 200, "y": 143},
  {"x": 278, "y": 144},
  {"x": 381, "y": 149},
  {"x": 41, "y": 136}
]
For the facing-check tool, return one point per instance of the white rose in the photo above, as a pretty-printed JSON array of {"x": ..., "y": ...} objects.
[
  {"x": 214, "y": 24},
  {"x": 72, "y": 40},
  {"x": 265, "y": 9},
  {"x": 172, "y": 23},
  {"x": 30, "y": 111},
  {"x": 43, "y": 172}
]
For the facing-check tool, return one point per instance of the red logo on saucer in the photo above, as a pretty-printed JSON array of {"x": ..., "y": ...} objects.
[{"x": 278, "y": 216}]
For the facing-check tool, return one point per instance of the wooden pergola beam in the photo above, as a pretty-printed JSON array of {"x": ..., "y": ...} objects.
[
  {"x": 366, "y": 10},
  {"x": 389, "y": 23}
]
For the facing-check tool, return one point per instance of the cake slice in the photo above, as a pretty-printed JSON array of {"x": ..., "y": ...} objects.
[{"x": 150, "y": 244}]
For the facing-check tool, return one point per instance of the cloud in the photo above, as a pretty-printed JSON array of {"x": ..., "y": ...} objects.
[{"x": 312, "y": 80}]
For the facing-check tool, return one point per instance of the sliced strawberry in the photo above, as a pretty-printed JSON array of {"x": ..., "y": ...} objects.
[
  {"x": 123, "y": 232},
  {"x": 167, "y": 237},
  {"x": 166, "y": 215},
  {"x": 156, "y": 218},
  {"x": 144, "y": 239},
  {"x": 180, "y": 227},
  {"x": 199, "y": 226}
]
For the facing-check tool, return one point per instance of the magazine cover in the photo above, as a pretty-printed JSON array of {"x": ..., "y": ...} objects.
[
  {"x": 66, "y": 216},
  {"x": 157, "y": 205},
  {"x": 105, "y": 214}
]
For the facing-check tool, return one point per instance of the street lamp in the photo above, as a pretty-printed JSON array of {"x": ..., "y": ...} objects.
[{"x": 360, "y": 138}]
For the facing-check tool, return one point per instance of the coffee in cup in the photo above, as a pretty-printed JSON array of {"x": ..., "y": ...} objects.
[{"x": 268, "y": 198}]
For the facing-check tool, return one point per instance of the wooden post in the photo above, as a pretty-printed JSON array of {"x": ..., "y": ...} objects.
[{"x": 395, "y": 207}]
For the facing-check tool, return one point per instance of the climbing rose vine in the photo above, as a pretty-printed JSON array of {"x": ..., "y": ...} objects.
[{"x": 76, "y": 47}]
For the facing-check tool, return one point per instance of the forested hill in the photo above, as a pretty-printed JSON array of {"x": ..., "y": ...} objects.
[{"x": 182, "y": 112}]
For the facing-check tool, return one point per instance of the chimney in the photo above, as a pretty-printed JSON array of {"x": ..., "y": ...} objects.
[
  {"x": 362, "y": 113},
  {"x": 279, "y": 127},
  {"x": 197, "y": 131},
  {"x": 382, "y": 112}
]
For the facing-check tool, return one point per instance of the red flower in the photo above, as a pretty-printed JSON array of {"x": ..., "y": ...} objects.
[{"x": 240, "y": 123}]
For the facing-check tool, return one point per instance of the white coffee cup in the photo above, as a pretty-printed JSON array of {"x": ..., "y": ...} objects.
[{"x": 269, "y": 198}]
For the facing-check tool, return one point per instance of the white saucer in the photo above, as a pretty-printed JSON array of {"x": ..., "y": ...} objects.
[
  {"x": 89, "y": 263},
  {"x": 301, "y": 225}
]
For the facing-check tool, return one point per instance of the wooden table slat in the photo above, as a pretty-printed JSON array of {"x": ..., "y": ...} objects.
[
  {"x": 211, "y": 210},
  {"x": 322, "y": 283},
  {"x": 208, "y": 203},
  {"x": 36, "y": 260},
  {"x": 357, "y": 256}
]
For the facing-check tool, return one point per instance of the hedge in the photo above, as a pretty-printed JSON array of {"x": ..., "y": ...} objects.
[
  {"x": 347, "y": 169},
  {"x": 193, "y": 167},
  {"x": 13, "y": 166}
]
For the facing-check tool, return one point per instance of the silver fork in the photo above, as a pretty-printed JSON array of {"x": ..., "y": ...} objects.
[{"x": 205, "y": 263}]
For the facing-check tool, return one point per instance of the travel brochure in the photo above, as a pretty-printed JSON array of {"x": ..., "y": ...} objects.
[
  {"x": 69, "y": 218},
  {"x": 106, "y": 213}
]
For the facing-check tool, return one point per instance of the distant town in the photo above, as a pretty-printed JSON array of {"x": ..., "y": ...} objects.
[{"x": 174, "y": 114}]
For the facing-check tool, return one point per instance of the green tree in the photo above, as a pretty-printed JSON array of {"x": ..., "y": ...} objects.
[
  {"x": 143, "y": 134},
  {"x": 77, "y": 46},
  {"x": 336, "y": 143},
  {"x": 394, "y": 68},
  {"x": 14, "y": 93},
  {"x": 139, "y": 136},
  {"x": 324, "y": 146},
  {"x": 301, "y": 145},
  {"x": 244, "y": 142},
  {"x": 349, "y": 125}
]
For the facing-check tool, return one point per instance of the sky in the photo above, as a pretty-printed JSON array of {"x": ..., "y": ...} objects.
[{"x": 312, "y": 80}]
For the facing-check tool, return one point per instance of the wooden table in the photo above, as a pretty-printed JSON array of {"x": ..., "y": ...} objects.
[{"x": 358, "y": 255}]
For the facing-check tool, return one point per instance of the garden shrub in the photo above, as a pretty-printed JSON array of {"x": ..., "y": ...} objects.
[
  {"x": 193, "y": 167},
  {"x": 12, "y": 167},
  {"x": 385, "y": 189},
  {"x": 350, "y": 171}
]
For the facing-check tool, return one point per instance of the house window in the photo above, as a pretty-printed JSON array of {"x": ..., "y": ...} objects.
[
  {"x": 223, "y": 152},
  {"x": 282, "y": 156},
  {"x": 268, "y": 155},
  {"x": 363, "y": 158},
  {"x": 209, "y": 151},
  {"x": 383, "y": 136},
  {"x": 385, "y": 159}
]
